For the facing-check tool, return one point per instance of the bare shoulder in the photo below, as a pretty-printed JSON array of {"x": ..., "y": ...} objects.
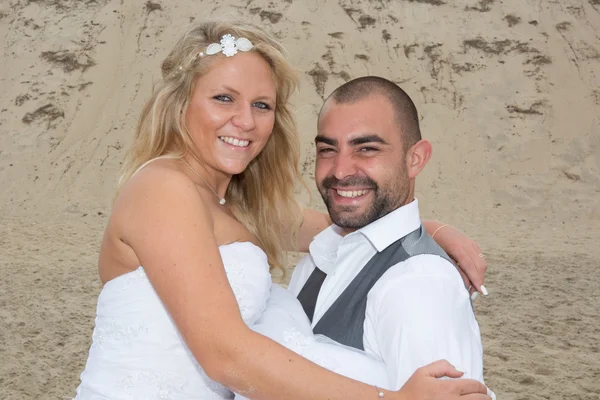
[
  {"x": 161, "y": 193},
  {"x": 156, "y": 177}
]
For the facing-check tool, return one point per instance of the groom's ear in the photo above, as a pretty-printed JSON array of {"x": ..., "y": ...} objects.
[{"x": 417, "y": 157}]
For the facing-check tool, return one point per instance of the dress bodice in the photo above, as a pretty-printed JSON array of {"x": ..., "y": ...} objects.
[{"x": 136, "y": 349}]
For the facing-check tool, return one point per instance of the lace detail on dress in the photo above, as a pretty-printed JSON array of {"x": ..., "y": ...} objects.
[
  {"x": 154, "y": 385},
  {"x": 247, "y": 281},
  {"x": 118, "y": 333},
  {"x": 300, "y": 344},
  {"x": 132, "y": 278},
  {"x": 294, "y": 340},
  {"x": 237, "y": 277}
]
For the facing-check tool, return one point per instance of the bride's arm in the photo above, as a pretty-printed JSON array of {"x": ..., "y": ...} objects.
[
  {"x": 463, "y": 250},
  {"x": 170, "y": 229}
]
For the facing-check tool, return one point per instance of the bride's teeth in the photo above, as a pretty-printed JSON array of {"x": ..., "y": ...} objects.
[
  {"x": 351, "y": 193},
  {"x": 235, "y": 142}
]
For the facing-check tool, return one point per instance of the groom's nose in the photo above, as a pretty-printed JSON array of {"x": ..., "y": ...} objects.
[{"x": 344, "y": 166}]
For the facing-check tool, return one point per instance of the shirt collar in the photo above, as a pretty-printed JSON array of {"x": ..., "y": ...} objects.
[
  {"x": 393, "y": 226},
  {"x": 323, "y": 248},
  {"x": 380, "y": 233}
]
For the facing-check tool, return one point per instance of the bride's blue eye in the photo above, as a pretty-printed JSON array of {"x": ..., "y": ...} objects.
[
  {"x": 262, "y": 106},
  {"x": 223, "y": 98}
]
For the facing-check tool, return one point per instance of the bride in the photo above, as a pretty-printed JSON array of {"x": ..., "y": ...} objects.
[{"x": 205, "y": 208}]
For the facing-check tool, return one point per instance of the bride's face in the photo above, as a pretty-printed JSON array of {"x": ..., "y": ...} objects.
[{"x": 232, "y": 112}]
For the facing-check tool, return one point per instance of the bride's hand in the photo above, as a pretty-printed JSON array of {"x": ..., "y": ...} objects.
[
  {"x": 464, "y": 251},
  {"x": 425, "y": 385}
]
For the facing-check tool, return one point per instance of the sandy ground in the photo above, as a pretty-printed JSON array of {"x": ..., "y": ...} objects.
[{"x": 509, "y": 95}]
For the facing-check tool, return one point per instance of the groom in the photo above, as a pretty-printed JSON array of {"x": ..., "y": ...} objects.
[{"x": 375, "y": 280}]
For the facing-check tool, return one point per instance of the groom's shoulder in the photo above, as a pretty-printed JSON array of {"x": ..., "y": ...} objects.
[
  {"x": 426, "y": 268},
  {"x": 417, "y": 280},
  {"x": 425, "y": 264}
]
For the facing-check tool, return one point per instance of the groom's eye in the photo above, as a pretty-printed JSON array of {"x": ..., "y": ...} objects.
[
  {"x": 325, "y": 150},
  {"x": 368, "y": 149}
]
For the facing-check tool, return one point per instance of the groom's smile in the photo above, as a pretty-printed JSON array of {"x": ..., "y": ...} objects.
[
  {"x": 349, "y": 198},
  {"x": 351, "y": 194}
]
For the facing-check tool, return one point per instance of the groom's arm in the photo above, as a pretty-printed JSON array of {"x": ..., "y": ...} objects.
[{"x": 420, "y": 312}]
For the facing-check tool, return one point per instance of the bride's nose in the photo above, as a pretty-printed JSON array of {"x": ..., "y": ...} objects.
[{"x": 244, "y": 118}]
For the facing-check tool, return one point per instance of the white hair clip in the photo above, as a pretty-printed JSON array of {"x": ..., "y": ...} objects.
[{"x": 229, "y": 46}]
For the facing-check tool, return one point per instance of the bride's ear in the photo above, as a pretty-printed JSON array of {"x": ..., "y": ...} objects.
[{"x": 417, "y": 157}]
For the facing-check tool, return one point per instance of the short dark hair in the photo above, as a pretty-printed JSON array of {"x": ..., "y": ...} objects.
[{"x": 404, "y": 108}]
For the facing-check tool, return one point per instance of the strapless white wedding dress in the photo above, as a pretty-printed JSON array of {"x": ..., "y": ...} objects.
[{"x": 137, "y": 352}]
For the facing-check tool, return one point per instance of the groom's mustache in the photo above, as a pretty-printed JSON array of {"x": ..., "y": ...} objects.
[{"x": 361, "y": 181}]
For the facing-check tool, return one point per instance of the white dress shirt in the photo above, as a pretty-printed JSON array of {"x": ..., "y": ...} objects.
[{"x": 419, "y": 310}]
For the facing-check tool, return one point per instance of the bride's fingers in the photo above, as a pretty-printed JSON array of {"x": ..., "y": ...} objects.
[
  {"x": 471, "y": 264},
  {"x": 467, "y": 282},
  {"x": 470, "y": 386},
  {"x": 441, "y": 368},
  {"x": 480, "y": 261}
]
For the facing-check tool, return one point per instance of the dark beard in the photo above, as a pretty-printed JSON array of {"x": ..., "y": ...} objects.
[{"x": 385, "y": 200}]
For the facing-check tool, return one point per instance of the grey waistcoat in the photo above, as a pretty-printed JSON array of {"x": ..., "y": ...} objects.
[{"x": 344, "y": 320}]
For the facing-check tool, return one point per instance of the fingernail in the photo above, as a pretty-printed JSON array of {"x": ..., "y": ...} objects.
[
  {"x": 474, "y": 295},
  {"x": 484, "y": 290},
  {"x": 459, "y": 370}
]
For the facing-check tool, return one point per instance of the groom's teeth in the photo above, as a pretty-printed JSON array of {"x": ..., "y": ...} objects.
[
  {"x": 235, "y": 142},
  {"x": 351, "y": 193}
]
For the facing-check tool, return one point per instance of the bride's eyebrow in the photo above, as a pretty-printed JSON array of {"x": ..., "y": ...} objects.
[
  {"x": 237, "y": 93},
  {"x": 229, "y": 89},
  {"x": 265, "y": 98}
]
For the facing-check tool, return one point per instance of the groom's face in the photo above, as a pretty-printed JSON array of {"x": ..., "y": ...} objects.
[{"x": 360, "y": 169}]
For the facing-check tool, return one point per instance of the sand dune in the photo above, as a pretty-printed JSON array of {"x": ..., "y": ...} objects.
[{"x": 509, "y": 94}]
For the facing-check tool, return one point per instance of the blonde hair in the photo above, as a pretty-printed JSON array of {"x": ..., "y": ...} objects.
[{"x": 261, "y": 197}]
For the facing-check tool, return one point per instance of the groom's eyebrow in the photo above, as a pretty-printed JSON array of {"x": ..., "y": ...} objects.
[
  {"x": 368, "y": 138},
  {"x": 326, "y": 140}
]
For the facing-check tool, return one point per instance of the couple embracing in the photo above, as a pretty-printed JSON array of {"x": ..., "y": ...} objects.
[{"x": 206, "y": 207}]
